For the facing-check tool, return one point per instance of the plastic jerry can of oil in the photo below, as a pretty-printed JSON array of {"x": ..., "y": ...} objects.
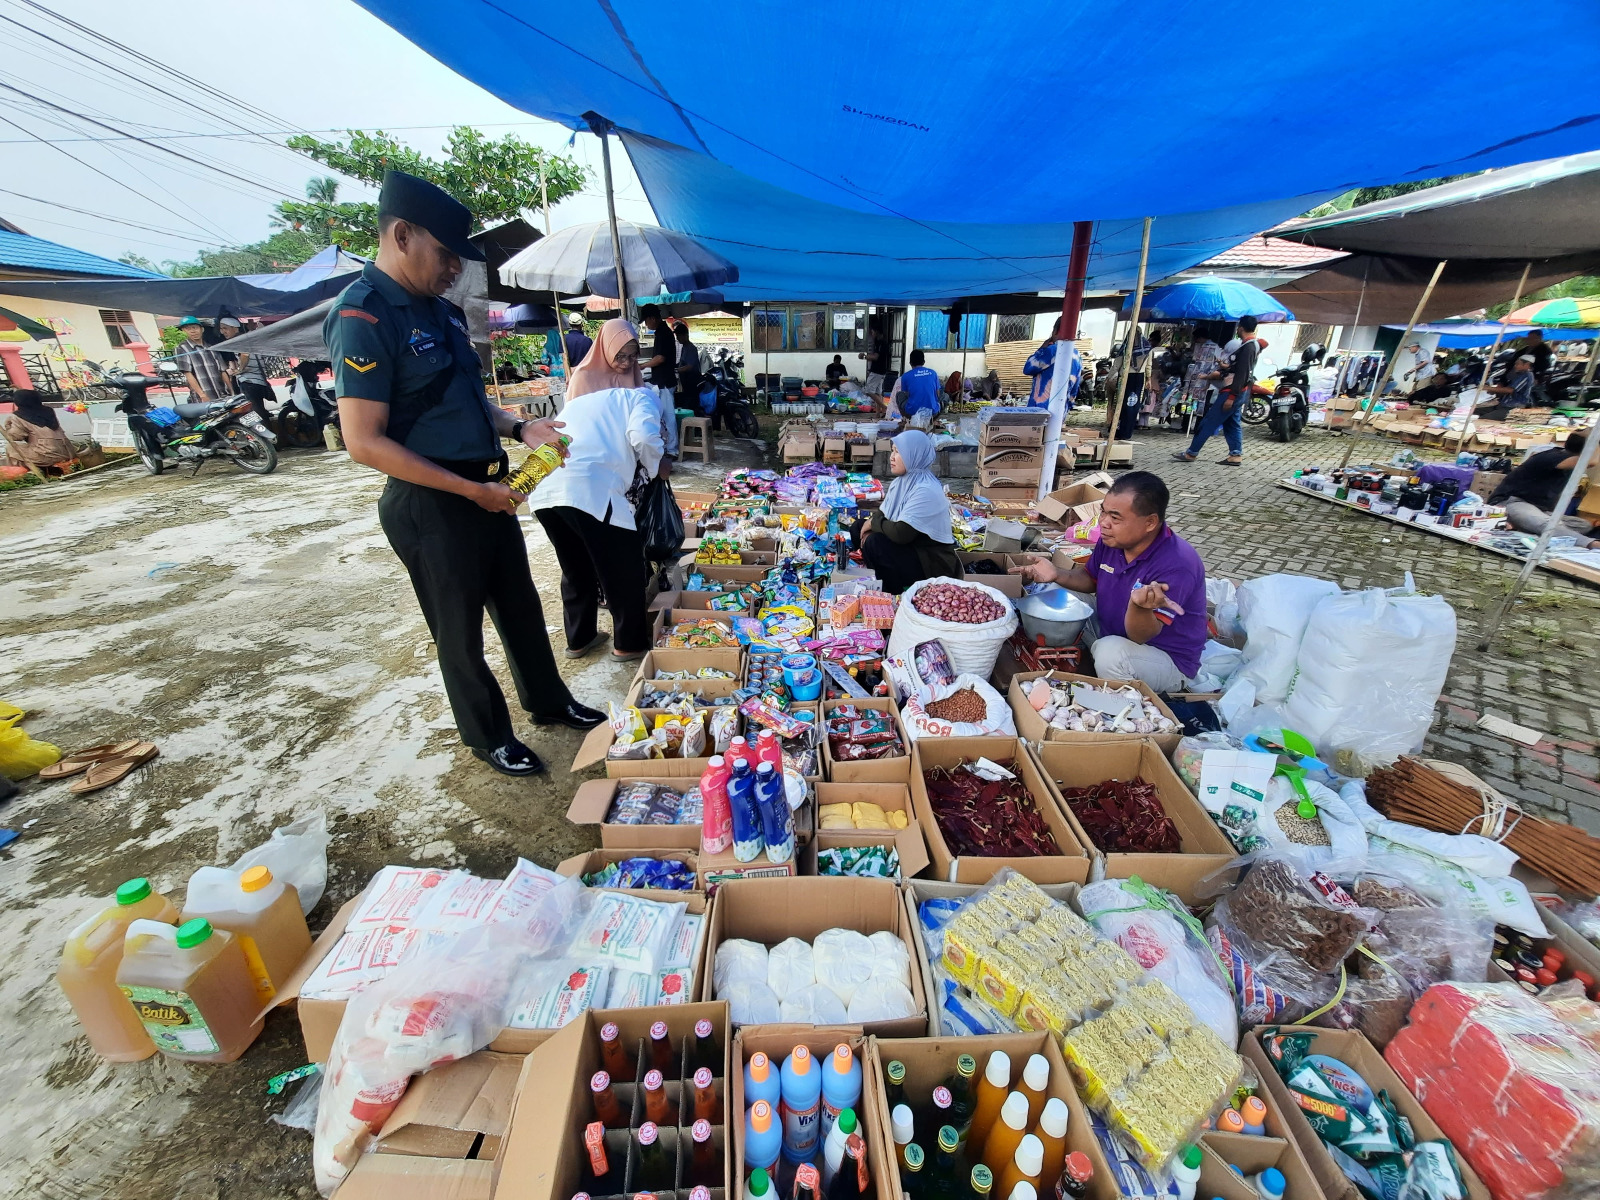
[
  {"x": 88, "y": 971},
  {"x": 262, "y": 914},
  {"x": 191, "y": 988}
]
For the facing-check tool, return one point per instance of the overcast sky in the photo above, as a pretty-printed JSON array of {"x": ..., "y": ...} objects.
[{"x": 320, "y": 66}]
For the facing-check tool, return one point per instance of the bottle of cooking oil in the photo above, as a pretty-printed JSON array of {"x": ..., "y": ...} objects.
[
  {"x": 88, "y": 971},
  {"x": 538, "y": 465},
  {"x": 261, "y": 912},
  {"x": 191, "y": 988}
]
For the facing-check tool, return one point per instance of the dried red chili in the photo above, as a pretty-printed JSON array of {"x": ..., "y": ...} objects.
[
  {"x": 987, "y": 818},
  {"x": 1124, "y": 815}
]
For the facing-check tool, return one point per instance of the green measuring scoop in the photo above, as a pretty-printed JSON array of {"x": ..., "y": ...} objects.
[{"x": 1296, "y": 755}]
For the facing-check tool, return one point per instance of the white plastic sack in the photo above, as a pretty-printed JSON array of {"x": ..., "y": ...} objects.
[
  {"x": 789, "y": 967},
  {"x": 815, "y": 1004},
  {"x": 843, "y": 960},
  {"x": 997, "y": 720},
  {"x": 1274, "y": 611},
  {"x": 738, "y": 961},
  {"x": 1344, "y": 829},
  {"x": 1372, "y": 665},
  {"x": 890, "y": 957},
  {"x": 1503, "y": 900},
  {"x": 973, "y": 649},
  {"x": 751, "y": 1002},
  {"x": 296, "y": 853},
  {"x": 1220, "y": 662},
  {"x": 880, "y": 999}
]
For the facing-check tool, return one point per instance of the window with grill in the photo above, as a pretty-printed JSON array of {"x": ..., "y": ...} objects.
[
  {"x": 1014, "y": 327},
  {"x": 120, "y": 329}
]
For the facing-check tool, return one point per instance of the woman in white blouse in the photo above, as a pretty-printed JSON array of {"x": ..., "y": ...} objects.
[{"x": 616, "y": 431}]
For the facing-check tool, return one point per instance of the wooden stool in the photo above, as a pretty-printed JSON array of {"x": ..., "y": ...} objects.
[{"x": 701, "y": 447}]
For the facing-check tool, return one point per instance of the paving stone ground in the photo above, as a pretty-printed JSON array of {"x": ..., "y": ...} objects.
[{"x": 1540, "y": 669}]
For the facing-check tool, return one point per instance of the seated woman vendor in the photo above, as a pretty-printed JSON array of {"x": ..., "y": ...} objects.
[
  {"x": 1148, "y": 585},
  {"x": 909, "y": 538}
]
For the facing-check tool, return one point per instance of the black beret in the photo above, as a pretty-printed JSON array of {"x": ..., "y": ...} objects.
[{"x": 422, "y": 203}]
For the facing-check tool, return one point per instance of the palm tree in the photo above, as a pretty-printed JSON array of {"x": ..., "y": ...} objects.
[{"x": 323, "y": 190}]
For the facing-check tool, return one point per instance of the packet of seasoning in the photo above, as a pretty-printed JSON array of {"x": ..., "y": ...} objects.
[
  {"x": 869, "y": 862},
  {"x": 631, "y": 803},
  {"x": 663, "y": 808},
  {"x": 932, "y": 662},
  {"x": 691, "y": 808}
]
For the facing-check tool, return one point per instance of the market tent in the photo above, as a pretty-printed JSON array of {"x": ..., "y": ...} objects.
[
  {"x": 1337, "y": 96},
  {"x": 299, "y": 336},
  {"x": 1467, "y": 335},
  {"x": 328, "y": 263}
]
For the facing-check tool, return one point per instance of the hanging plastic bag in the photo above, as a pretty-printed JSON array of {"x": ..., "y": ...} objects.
[
  {"x": 21, "y": 755},
  {"x": 660, "y": 520},
  {"x": 296, "y": 853},
  {"x": 1274, "y": 611}
]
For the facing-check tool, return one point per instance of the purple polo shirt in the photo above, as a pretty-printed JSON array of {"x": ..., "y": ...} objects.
[{"x": 1169, "y": 560}]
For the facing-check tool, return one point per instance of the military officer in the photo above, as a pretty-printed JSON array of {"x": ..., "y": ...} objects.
[{"x": 412, "y": 405}]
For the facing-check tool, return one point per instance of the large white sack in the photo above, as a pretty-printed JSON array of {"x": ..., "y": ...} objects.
[
  {"x": 1274, "y": 611},
  {"x": 1371, "y": 667}
]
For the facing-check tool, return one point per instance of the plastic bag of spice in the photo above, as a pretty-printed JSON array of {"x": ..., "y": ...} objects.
[
  {"x": 967, "y": 707},
  {"x": 1281, "y": 906}
]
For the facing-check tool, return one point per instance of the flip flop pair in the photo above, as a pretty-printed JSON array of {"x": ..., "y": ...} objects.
[{"x": 101, "y": 766}]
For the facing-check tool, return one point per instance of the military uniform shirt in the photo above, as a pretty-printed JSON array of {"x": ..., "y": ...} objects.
[{"x": 388, "y": 345}]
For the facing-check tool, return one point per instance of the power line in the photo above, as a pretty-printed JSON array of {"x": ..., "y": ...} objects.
[
  {"x": 230, "y": 135},
  {"x": 100, "y": 216}
]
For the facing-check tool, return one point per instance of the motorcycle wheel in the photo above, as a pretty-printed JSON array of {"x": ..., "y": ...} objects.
[
  {"x": 1282, "y": 426},
  {"x": 742, "y": 422},
  {"x": 250, "y": 451},
  {"x": 1255, "y": 412},
  {"x": 297, "y": 429},
  {"x": 153, "y": 463}
]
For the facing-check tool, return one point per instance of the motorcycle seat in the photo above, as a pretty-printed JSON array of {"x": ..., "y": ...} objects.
[{"x": 191, "y": 411}]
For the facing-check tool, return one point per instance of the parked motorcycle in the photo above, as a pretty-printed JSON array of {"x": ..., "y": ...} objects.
[
  {"x": 229, "y": 428},
  {"x": 725, "y": 380},
  {"x": 1291, "y": 410},
  {"x": 311, "y": 406},
  {"x": 1259, "y": 406}
]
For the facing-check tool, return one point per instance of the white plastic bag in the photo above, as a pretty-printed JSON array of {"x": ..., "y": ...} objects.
[
  {"x": 997, "y": 720},
  {"x": 738, "y": 961},
  {"x": 751, "y": 1002},
  {"x": 790, "y": 968},
  {"x": 1371, "y": 667},
  {"x": 815, "y": 1004},
  {"x": 843, "y": 959},
  {"x": 890, "y": 960},
  {"x": 296, "y": 853},
  {"x": 1274, "y": 611},
  {"x": 1346, "y": 835},
  {"x": 881, "y": 999},
  {"x": 1503, "y": 900},
  {"x": 973, "y": 649}
]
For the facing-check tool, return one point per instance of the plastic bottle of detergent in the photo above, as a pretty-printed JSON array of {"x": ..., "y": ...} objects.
[
  {"x": 769, "y": 750},
  {"x": 1186, "y": 1172},
  {"x": 739, "y": 751},
  {"x": 716, "y": 819},
  {"x": 192, "y": 989},
  {"x": 761, "y": 1081},
  {"x": 841, "y": 1085},
  {"x": 1269, "y": 1184},
  {"x": 262, "y": 914},
  {"x": 88, "y": 971},
  {"x": 777, "y": 820},
  {"x": 763, "y": 1137},
  {"x": 802, "y": 1106},
  {"x": 748, "y": 840}
]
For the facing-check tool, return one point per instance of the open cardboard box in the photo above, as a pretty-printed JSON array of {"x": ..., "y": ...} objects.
[
  {"x": 891, "y": 797},
  {"x": 1070, "y": 866},
  {"x": 726, "y": 658},
  {"x": 770, "y": 910},
  {"x": 1205, "y": 847},
  {"x": 918, "y": 890},
  {"x": 697, "y": 602},
  {"x": 703, "y": 689},
  {"x": 1074, "y": 503},
  {"x": 1005, "y": 584},
  {"x": 1582, "y": 954},
  {"x": 1222, "y": 1152},
  {"x": 593, "y": 860},
  {"x": 930, "y": 1061},
  {"x": 542, "y": 1154},
  {"x": 592, "y": 801},
  {"x": 1350, "y": 1047},
  {"x": 739, "y": 576},
  {"x": 1034, "y": 728},
  {"x": 1011, "y": 500},
  {"x": 597, "y": 744},
  {"x": 666, "y": 618},
  {"x": 894, "y": 769}
]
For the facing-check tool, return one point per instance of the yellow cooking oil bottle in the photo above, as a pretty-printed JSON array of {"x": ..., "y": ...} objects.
[
  {"x": 262, "y": 913},
  {"x": 191, "y": 988},
  {"x": 88, "y": 971}
]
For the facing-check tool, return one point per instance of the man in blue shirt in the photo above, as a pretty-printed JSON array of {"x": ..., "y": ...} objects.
[{"x": 918, "y": 389}]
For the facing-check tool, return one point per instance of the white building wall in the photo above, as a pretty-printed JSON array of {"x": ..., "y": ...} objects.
[{"x": 82, "y": 334}]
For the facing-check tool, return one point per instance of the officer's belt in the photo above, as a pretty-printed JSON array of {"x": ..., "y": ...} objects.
[{"x": 477, "y": 470}]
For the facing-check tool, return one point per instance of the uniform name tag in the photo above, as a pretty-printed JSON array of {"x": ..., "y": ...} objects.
[
  {"x": 421, "y": 343},
  {"x": 1106, "y": 567}
]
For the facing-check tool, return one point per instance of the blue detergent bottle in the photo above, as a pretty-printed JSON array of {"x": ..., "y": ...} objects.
[
  {"x": 748, "y": 841},
  {"x": 841, "y": 1086},
  {"x": 777, "y": 821},
  {"x": 761, "y": 1081},
  {"x": 802, "y": 1106},
  {"x": 763, "y": 1135}
]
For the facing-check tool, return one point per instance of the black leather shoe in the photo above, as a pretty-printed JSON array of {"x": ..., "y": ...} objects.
[
  {"x": 512, "y": 759},
  {"x": 573, "y": 716}
]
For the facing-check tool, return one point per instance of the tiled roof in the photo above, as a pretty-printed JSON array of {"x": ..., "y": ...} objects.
[
  {"x": 36, "y": 254},
  {"x": 1272, "y": 252}
]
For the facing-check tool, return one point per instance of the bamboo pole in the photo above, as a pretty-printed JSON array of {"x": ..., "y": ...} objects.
[
  {"x": 1388, "y": 367},
  {"x": 1488, "y": 363},
  {"x": 1568, "y": 491},
  {"x": 1127, "y": 359}
]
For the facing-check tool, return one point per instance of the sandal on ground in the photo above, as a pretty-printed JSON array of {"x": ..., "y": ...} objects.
[
  {"x": 628, "y": 656},
  {"x": 595, "y": 643},
  {"x": 1184, "y": 458},
  {"x": 1230, "y": 462},
  {"x": 81, "y": 760},
  {"x": 114, "y": 770}
]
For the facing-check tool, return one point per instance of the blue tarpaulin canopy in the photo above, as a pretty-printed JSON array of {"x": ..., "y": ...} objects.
[{"x": 1466, "y": 335}]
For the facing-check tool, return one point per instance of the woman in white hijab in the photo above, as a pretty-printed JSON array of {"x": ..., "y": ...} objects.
[{"x": 910, "y": 537}]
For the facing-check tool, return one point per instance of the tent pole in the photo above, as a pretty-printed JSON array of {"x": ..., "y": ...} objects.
[
  {"x": 601, "y": 127},
  {"x": 1066, "y": 334},
  {"x": 544, "y": 197},
  {"x": 1568, "y": 491},
  {"x": 1466, "y": 421},
  {"x": 1388, "y": 366},
  {"x": 1115, "y": 406}
]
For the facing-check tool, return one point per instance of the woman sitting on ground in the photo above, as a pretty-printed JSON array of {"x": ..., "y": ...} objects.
[
  {"x": 910, "y": 536},
  {"x": 33, "y": 435},
  {"x": 616, "y": 431}
]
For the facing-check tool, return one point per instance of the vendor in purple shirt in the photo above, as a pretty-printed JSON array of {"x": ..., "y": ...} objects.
[{"x": 1148, "y": 585}]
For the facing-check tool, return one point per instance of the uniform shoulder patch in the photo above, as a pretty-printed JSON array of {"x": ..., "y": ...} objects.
[
  {"x": 357, "y": 363},
  {"x": 360, "y": 314}
]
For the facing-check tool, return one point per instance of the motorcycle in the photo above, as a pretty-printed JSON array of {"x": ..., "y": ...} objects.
[
  {"x": 310, "y": 407},
  {"x": 1258, "y": 407},
  {"x": 228, "y": 428},
  {"x": 723, "y": 389},
  {"x": 1290, "y": 408}
]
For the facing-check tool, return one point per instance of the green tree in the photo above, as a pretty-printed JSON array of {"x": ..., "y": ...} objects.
[
  {"x": 1372, "y": 195},
  {"x": 138, "y": 260},
  {"x": 1579, "y": 285}
]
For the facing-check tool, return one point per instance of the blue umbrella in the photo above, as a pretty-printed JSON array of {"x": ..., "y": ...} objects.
[{"x": 1210, "y": 299}]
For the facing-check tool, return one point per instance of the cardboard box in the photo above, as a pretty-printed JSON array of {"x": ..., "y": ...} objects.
[
  {"x": 1351, "y": 1047},
  {"x": 456, "y": 1111},
  {"x": 1023, "y": 479},
  {"x": 858, "y": 452},
  {"x": 1015, "y": 497},
  {"x": 1222, "y": 1152},
  {"x": 930, "y": 1061},
  {"x": 1485, "y": 482},
  {"x": 996, "y": 435},
  {"x": 770, "y": 910},
  {"x": 739, "y": 576},
  {"x": 1121, "y": 455},
  {"x": 704, "y": 690},
  {"x": 1205, "y": 847},
  {"x": 833, "y": 449},
  {"x": 1003, "y": 535},
  {"x": 1071, "y": 866},
  {"x": 1072, "y": 504},
  {"x": 541, "y": 1156},
  {"x": 592, "y": 801},
  {"x": 1006, "y": 585},
  {"x": 593, "y": 860},
  {"x": 1032, "y": 726},
  {"x": 872, "y": 770},
  {"x": 1010, "y": 458},
  {"x": 699, "y": 602},
  {"x": 597, "y": 743},
  {"x": 666, "y": 618},
  {"x": 891, "y": 797}
]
